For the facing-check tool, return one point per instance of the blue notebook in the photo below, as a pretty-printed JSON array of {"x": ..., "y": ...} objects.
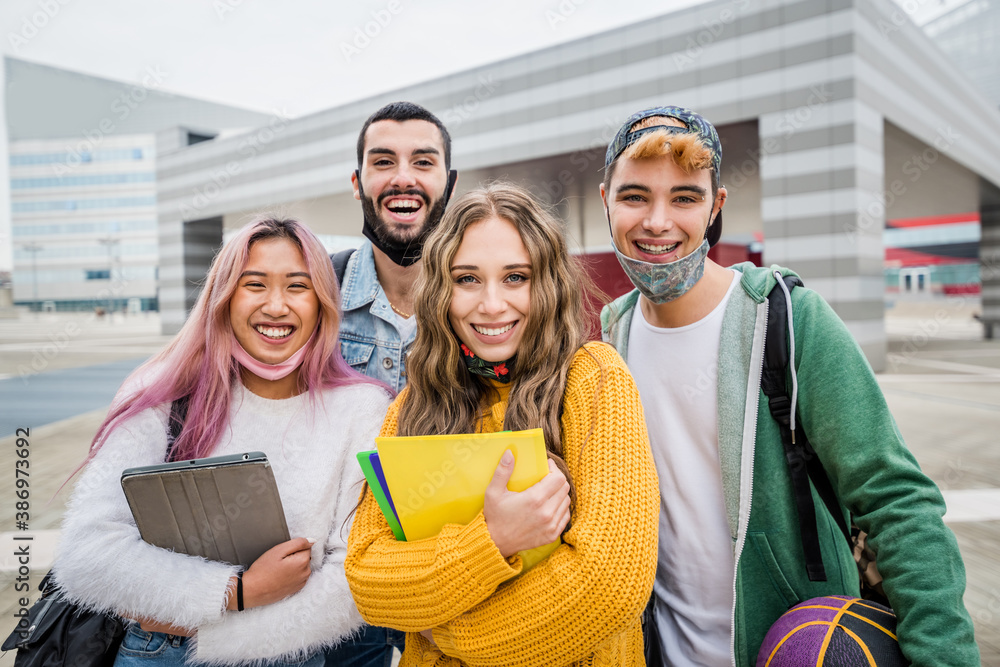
[{"x": 376, "y": 481}]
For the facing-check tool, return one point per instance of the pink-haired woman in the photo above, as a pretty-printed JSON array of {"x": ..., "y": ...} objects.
[{"x": 259, "y": 362}]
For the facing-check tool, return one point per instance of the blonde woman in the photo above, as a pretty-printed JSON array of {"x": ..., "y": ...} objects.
[{"x": 501, "y": 345}]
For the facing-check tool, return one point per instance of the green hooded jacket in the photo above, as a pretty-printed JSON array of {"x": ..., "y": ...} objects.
[{"x": 843, "y": 411}]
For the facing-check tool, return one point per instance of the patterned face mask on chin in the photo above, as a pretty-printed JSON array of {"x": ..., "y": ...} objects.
[{"x": 661, "y": 283}]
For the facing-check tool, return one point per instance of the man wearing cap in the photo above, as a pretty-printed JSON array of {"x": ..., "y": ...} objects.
[
  {"x": 403, "y": 181},
  {"x": 731, "y": 557}
]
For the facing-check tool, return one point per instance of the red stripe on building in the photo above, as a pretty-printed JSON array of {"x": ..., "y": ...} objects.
[
  {"x": 957, "y": 218},
  {"x": 962, "y": 289},
  {"x": 906, "y": 257}
]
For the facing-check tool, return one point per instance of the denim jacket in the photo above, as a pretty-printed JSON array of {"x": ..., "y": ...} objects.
[{"x": 369, "y": 340}]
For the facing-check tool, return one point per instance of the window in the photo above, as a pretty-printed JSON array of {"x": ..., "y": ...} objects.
[
  {"x": 85, "y": 228},
  {"x": 98, "y": 274},
  {"x": 73, "y": 157},
  {"x": 104, "y": 202},
  {"x": 68, "y": 181}
]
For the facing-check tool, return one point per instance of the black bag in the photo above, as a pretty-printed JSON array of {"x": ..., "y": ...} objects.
[
  {"x": 60, "y": 634},
  {"x": 803, "y": 463},
  {"x": 651, "y": 634},
  {"x": 339, "y": 261}
]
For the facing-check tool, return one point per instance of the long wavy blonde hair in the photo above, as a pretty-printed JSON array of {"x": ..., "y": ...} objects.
[{"x": 444, "y": 397}]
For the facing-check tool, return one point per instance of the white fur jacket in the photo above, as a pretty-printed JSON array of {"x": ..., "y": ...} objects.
[{"x": 104, "y": 565}]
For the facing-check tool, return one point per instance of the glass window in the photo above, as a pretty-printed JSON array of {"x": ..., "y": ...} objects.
[
  {"x": 72, "y": 157},
  {"x": 103, "y": 202},
  {"x": 24, "y": 276},
  {"x": 85, "y": 228},
  {"x": 92, "y": 179}
]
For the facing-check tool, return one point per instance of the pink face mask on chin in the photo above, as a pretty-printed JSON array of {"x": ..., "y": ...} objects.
[{"x": 270, "y": 372}]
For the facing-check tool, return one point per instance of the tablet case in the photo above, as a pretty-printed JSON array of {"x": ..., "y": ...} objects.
[{"x": 224, "y": 508}]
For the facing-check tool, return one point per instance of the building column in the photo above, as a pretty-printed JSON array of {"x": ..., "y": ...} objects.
[
  {"x": 822, "y": 178},
  {"x": 989, "y": 257},
  {"x": 186, "y": 252}
]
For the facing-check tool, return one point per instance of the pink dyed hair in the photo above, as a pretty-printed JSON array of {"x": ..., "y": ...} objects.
[{"x": 199, "y": 364}]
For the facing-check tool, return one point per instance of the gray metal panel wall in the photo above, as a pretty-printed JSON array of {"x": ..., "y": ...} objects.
[
  {"x": 989, "y": 258},
  {"x": 186, "y": 252}
]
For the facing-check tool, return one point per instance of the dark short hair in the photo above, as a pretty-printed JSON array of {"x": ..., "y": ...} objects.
[{"x": 399, "y": 112}]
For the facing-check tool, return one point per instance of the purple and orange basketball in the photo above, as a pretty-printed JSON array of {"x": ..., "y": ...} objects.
[{"x": 833, "y": 631}]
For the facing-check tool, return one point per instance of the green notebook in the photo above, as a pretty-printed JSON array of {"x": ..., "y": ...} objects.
[{"x": 372, "y": 469}]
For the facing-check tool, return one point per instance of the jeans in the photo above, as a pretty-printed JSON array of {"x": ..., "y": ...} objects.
[
  {"x": 145, "y": 649},
  {"x": 373, "y": 648}
]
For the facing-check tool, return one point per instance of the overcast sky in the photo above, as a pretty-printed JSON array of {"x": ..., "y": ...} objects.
[
  {"x": 300, "y": 56},
  {"x": 305, "y": 55}
]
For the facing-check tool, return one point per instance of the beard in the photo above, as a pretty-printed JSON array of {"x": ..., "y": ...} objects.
[{"x": 390, "y": 234}]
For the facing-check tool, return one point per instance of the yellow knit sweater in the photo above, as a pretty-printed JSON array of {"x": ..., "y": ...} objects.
[{"x": 580, "y": 606}]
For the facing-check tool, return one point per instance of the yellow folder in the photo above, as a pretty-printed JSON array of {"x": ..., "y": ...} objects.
[{"x": 439, "y": 479}]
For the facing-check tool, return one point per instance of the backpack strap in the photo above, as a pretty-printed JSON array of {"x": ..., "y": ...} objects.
[
  {"x": 803, "y": 463},
  {"x": 820, "y": 480},
  {"x": 339, "y": 261}
]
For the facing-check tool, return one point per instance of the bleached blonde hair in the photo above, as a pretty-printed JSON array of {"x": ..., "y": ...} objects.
[{"x": 686, "y": 150}]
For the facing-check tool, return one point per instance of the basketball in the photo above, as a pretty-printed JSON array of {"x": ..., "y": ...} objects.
[{"x": 833, "y": 631}]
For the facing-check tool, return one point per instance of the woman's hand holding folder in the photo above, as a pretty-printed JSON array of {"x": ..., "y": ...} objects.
[{"x": 532, "y": 518}]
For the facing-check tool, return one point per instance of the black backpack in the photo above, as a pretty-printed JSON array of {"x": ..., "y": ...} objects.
[
  {"x": 339, "y": 261},
  {"x": 803, "y": 463}
]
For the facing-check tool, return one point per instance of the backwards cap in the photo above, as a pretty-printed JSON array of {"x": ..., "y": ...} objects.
[{"x": 693, "y": 124}]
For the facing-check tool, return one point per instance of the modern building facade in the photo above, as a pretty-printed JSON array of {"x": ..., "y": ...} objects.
[
  {"x": 970, "y": 34},
  {"x": 82, "y": 156},
  {"x": 86, "y": 239},
  {"x": 932, "y": 257},
  {"x": 830, "y": 115},
  {"x": 938, "y": 256}
]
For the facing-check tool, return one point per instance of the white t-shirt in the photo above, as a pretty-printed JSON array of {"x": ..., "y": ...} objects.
[{"x": 676, "y": 372}]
